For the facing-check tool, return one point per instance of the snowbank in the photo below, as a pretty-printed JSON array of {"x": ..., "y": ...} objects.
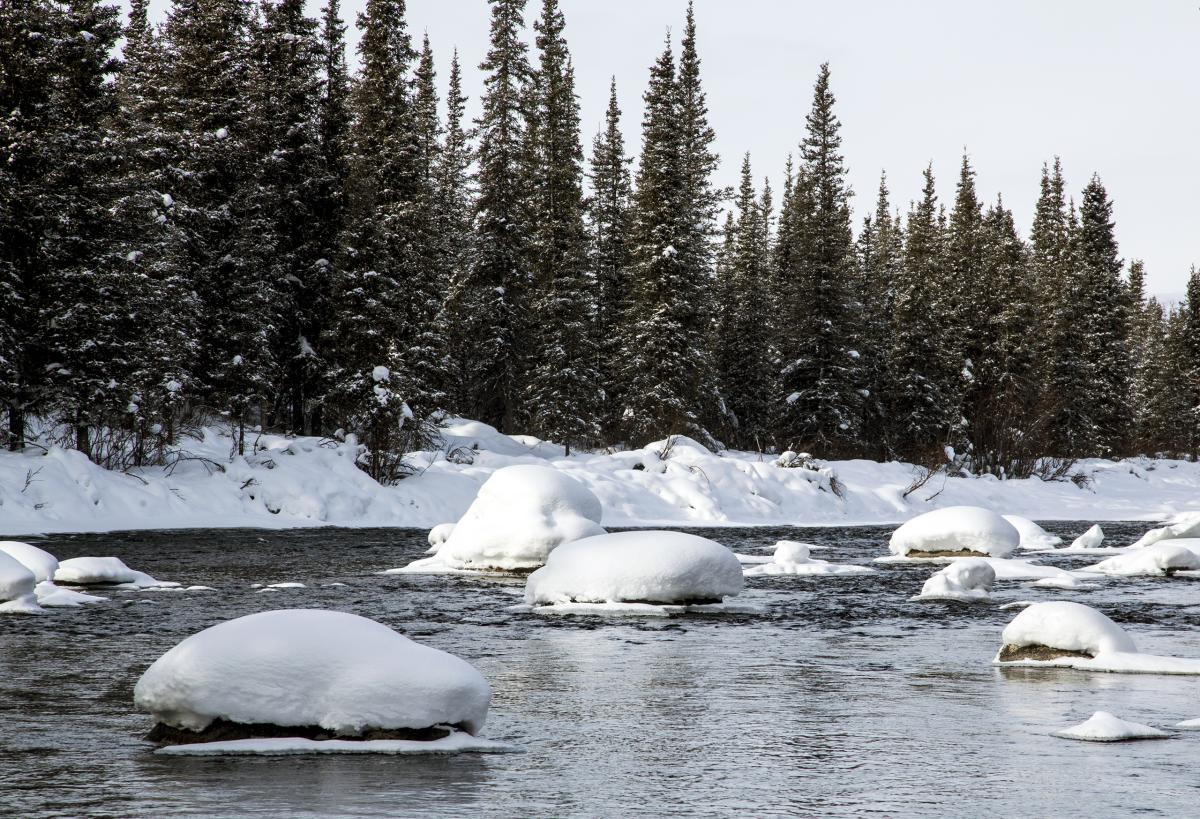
[
  {"x": 16, "y": 587},
  {"x": 1184, "y": 526},
  {"x": 97, "y": 571},
  {"x": 1032, "y": 535},
  {"x": 1162, "y": 558},
  {"x": 310, "y": 667},
  {"x": 955, "y": 531},
  {"x": 52, "y": 596},
  {"x": 637, "y": 567},
  {"x": 968, "y": 580},
  {"x": 39, "y": 561},
  {"x": 286, "y": 482},
  {"x": 1105, "y": 727},
  {"x": 792, "y": 558},
  {"x": 519, "y": 516}
]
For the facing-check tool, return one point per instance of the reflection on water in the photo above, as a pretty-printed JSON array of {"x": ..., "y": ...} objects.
[{"x": 840, "y": 698}]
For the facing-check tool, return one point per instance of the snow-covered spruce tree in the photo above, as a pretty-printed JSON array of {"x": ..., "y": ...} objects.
[
  {"x": 1189, "y": 352},
  {"x": 1181, "y": 415},
  {"x": 1162, "y": 416},
  {"x": 487, "y": 305},
  {"x": 1005, "y": 432},
  {"x": 608, "y": 221},
  {"x": 1104, "y": 321},
  {"x": 1144, "y": 320},
  {"x": 881, "y": 255},
  {"x": 290, "y": 192},
  {"x": 922, "y": 375},
  {"x": 664, "y": 361},
  {"x": 744, "y": 370},
  {"x": 376, "y": 390},
  {"x": 207, "y": 58},
  {"x": 963, "y": 293},
  {"x": 28, "y": 76},
  {"x": 562, "y": 393},
  {"x": 822, "y": 375}
]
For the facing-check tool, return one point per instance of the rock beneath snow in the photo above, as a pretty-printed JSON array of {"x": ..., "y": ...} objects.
[
  {"x": 521, "y": 514},
  {"x": 438, "y": 535},
  {"x": 103, "y": 571},
  {"x": 792, "y": 558},
  {"x": 968, "y": 580},
  {"x": 956, "y": 531},
  {"x": 1162, "y": 558},
  {"x": 1048, "y": 631},
  {"x": 1103, "y": 726},
  {"x": 637, "y": 567},
  {"x": 39, "y": 561},
  {"x": 309, "y": 673},
  {"x": 1091, "y": 539},
  {"x": 16, "y": 587},
  {"x": 1033, "y": 537}
]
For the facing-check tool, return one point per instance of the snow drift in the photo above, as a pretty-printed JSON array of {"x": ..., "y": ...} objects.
[
  {"x": 16, "y": 587},
  {"x": 957, "y": 531}
]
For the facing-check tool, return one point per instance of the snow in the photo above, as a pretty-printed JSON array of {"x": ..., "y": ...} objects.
[
  {"x": 1183, "y": 526},
  {"x": 52, "y": 596},
  {"x": 90, "y": 571},
  {"x": 380, "y": 373},
  {"x": 792, "y": 558},
  {"x": 39, "y": 561},
  {"x": 637, "y": 567},
  {"x": 286, "y": 481},
  {"x": 1032, "y": 535},
  {"x": 519, "y": 516},
  {"x": 457, "y": 742},
  {"x": 1091, "y": 539},
  {"x": 1067, "y": 626},
  {"x": 1103, "y": 726},
  {"x": 956, "y": 528},
  {"x": 438, "y": 535},
  {"x": 968, "y": 580},
  {"x": 1160, "y": 558},
  {"x": 1189, "y": 725},
  {"x": 299, "y": 667},
  {"x": 16, "y": 587}
]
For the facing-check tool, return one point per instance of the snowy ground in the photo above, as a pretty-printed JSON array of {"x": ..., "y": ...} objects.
[{"x": 311, "y": 482}]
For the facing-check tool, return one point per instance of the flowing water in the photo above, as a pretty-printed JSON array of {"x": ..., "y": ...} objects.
[{"x": 840, "y": 698}]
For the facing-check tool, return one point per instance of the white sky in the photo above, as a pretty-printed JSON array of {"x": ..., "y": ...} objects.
[{"x": 1111, "y": 86}]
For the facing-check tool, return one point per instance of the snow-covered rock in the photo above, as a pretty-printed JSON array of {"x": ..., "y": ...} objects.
[
  {"x": 309, "y": 667},
  {"x": 1162, "y": 558},
  {"x": 16, "y": 587},
  {"x": 1091, "y": 539},
  {"x": 968, "y": 531},
  {"x": 39, "y": 561},
  {"x": 637, "y": 567},
  {"x": 1103, "y": 726},
  {"x": 1047, "y": 631},
  {"x": 51, "y": 596},
  {"x": 1032, "y": 536},
  {"x": 518, "y": 518},
  {"x": 97, "y": 571},
  {"x": 792, "y": 558},
  {"x": 1185, "y": 525},
  {"x": 968, "y": 580},
  {"x": 438, "y": 535}
]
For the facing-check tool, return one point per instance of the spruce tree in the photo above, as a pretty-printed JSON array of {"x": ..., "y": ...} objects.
[
  {"x": 963, "y": 290},
  {"x": 608, "y": 223},
  {"x": 823, "y": 373},
  {"x": 563, "y": 393}
]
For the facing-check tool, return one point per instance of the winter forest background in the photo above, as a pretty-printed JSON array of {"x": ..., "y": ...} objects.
[{"x": 215, "y": 222}]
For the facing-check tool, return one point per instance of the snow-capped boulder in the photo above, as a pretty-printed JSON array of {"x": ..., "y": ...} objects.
[
  {"x": 1091, "y": 539},
  {"x": 39, "y": 561},
  {"x": 438, "y": 535},
  {"x": 1032, "y": 535},
  {"x": 103, "y": 571},
  {"x": 52, "y": 596},
  {"x": 637, "y": 567},
  {"x": 1103, "y": 726},
  {"x": 519, "y": 516},
  {"x": 1162, "y": 558},
  {"x": 969, "y": 580},
  {"x": 956, "y": 531},
  {"x": 16, "y": 587},
  {"x": 1057, "y": 629},
  {"x": 1185, "y": 525},
  {"x": 309, "y": 673},
  {"x": 792, "y": 558}
]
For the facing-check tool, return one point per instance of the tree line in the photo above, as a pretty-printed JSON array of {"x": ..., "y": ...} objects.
[{"x": 222, "y": 223}]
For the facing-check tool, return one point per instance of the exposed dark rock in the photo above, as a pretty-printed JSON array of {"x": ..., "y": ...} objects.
[
  {"x": 221, "y": 730},
  {"x": 958, "y": 553},
  {"x": 1013, "y": 653}
]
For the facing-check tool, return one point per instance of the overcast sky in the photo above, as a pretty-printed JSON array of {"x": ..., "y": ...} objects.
[{"x": 1111, "y": 86}]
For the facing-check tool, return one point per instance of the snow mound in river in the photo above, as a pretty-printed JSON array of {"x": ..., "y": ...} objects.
[
  {"x": 1103, "y": 726},
  {"x": 968, "y": 580},
  {"x": 1091, "y": 539},
  {"x": 1066, "y": 626},
  {"x": 1159, "y": 558},
  {"x": 304, "y": 667},
  {"x": 95, "y": 571},
  {"x": 955, "y": 530},
  {"x": 16, "y": 587},
  {"x": 39, "y": 561},
  {"x": 519, "y": 516},
  {"x": 792, "y": 558},
  {"x": 1184, "y": 526},
  {"x": 637, "y": 567},
  {"x": 1032, "y": 535}
]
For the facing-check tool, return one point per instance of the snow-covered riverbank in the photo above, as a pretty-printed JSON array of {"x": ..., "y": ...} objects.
[{"x": 310, "y": 482}]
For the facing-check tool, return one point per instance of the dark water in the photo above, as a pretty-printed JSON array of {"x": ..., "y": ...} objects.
[{"x": 842, "y": 698}]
